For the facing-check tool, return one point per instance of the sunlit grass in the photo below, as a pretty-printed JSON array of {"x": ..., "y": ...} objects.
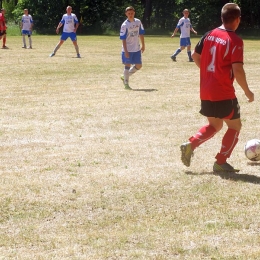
[{"x": 92, "y": 171}]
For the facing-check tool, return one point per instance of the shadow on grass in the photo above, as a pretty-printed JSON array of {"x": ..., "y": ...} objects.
[
  {"x": 145, "y": 90},
  {"x": 232, "y": 175}
]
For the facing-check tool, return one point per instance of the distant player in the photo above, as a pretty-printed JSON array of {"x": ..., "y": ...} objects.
[
  {"x": 70, "y": 25},
  {"x": 26, "y": 26},
  {"x": 3, "y": 28},
  {"x": 185, "y": 27},
  {"x": 219, "y": 55},
  {"x": 130, "y": 32}
]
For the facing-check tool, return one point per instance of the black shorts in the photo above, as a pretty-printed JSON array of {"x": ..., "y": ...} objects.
[
  {"x": 225, "y": 109},
  {"x": 2, "y": 33}
]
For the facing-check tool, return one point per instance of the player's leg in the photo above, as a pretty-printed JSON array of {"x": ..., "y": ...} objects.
[
  {"x": 127, "y": 64},
  {"x": 56, "y": 48},
  {"x": 30, "y": 40},
  {"x": 24, "y": 41},
  {"x": 75, "y": 43},
  {"x": 137, "y": 63},
  {"x": 63, "y": 38},
  {"x": 4, "y": 40},
  {"x": 73, "y": 37},
  {"x": 229, "y": 140},
  {"x": 188, "y": 44},
  {"x": 182, "y": 47},
  {"x": 206, "y": 132}
]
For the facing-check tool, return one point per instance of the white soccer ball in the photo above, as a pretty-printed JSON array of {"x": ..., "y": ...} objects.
[{"x": 252, "y": 150}]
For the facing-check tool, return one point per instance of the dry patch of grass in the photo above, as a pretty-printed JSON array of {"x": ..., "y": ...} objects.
[{"x": 92, "y": 171}]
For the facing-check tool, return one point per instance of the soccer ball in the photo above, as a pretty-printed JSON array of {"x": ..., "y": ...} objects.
[{"x": 252, "y": 150}]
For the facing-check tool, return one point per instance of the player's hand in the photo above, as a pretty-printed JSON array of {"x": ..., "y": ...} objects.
[
  {"x": 195, "y": 32},
  {"x": 250, "y": 96},
  {"x": 173, "y": 35},
  {"x": 143, "y": 49},
  {"x": 127, "y": 54},
  {"x": 57, "y": 30}
]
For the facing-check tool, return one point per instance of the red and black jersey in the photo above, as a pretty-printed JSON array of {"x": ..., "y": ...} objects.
[
  {"x": 219, "y": 49},
  {"x": 2, "y": 22}
]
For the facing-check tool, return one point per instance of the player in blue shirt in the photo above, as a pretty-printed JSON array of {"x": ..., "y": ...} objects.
[
  {"x": 130, "y": 32},
  {"x": 185, "y": 27},
  {"x": 70, "y": 25}
]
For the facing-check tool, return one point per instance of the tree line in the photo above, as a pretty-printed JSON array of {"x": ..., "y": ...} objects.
[{"x": 158, "y": 17}]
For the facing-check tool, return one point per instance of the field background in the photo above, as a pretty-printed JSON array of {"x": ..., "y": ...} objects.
[{"x": 90, "y": 170}]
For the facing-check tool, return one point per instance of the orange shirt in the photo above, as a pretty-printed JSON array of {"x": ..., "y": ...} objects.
[{"x": 2, "y": 22}]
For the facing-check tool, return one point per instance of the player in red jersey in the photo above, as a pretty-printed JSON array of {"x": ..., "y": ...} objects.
[
  {"x": 3, "y": 27},
  {"x": 219, "y": 55}
]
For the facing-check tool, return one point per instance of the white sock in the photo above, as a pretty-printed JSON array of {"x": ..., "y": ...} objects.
[
  {"x": 24, "y": 43},
  {"x": 132, "y": 70},
  {"x": 30, "y": 41},
  {"x": 126, "y": 75}
]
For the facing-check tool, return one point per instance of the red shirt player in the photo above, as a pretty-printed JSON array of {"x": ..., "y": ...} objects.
[
  {"x": 219, "y": 55},
  {"x": 3, "y": 27}
]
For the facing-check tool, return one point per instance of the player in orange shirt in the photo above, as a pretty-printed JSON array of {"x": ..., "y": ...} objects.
[
  {"x": 219, "y": 55},
  {"x": 3, "y": 28}
]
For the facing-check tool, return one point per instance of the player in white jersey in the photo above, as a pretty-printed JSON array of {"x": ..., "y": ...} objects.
[
  {"x": 130, "y": 32},
  {"x": 70, "y": 25},
  {"x": 26, "y": 26},
  {"x": 185, "y": 27}
]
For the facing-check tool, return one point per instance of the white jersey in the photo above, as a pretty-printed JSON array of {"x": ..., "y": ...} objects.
[
  {"x": 184, "y": 25},
  {"x": 130, "y": 32},
  {"x": 27, "y": 21},
  {"x": 69, "y": 22}
]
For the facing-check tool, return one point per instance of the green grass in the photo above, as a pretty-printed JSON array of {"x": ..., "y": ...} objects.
[{"x": 92, "y": 171}]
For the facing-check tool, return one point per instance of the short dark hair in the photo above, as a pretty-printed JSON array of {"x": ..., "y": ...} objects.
[
  {"x": 129, "y": 8},
  {"x": 230, "y": 12}
]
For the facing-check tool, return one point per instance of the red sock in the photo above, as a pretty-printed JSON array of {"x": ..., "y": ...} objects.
[
  {"x": 229, "y": 142},
  {"x": 4, "y": 41},
  {"x": 204, "y": 134}
]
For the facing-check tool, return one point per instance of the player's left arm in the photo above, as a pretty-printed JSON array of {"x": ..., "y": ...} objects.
[
  {"x": 142, "y": 41},
  {"x": 76, "y": 22},
  {"x": 191, "y": 28},
  {"x": 240, "y": 77},
  {"x": 76, "y": 26},
  {"x": 31, "y": 22}
]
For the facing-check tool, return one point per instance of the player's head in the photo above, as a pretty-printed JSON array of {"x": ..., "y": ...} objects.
[
  {"x": 69, "y": 9},
  {"x": 3, "y": 11},
  {"x": 25, "y": 11},
  {"x": 186, "y": 12},
  {"x": 230, "y": 14},
  {"x": 130, "y": 12}
]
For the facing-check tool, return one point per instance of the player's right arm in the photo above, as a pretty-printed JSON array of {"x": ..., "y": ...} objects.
[
  {"x": 240, "y": 76},
  {"x": 180, "y": 23},
  {"x": 123, "y": 37},
  {"x": 125, "y": 49},
  {"x": 58, "y": 27}
]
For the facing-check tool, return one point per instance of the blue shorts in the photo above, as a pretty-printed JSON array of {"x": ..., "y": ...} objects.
[
  {"x": 134, "y": 58},
  {"x": 26, "y": 32},
  {"x": 65, "y": 36},
  {"x": 185, "y": 42}
]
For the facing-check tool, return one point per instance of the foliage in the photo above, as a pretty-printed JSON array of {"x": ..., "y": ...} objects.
[{"x": 99, "y": 16}]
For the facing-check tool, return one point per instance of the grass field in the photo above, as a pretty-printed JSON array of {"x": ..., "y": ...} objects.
[{"x": 92, "y": 171}]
